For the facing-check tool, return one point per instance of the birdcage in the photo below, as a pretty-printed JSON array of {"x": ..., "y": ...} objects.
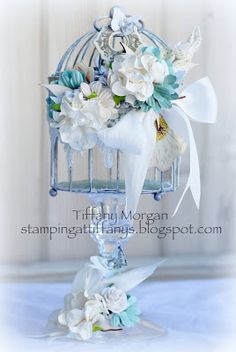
[
  {"x": 87, "y": 173},
  {"x": 95, "y": 171}
]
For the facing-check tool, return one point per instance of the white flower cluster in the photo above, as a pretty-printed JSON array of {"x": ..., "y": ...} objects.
[
  {"x": 134, "y": 73},
  {"x": 81, "y": 314},
  {"x": 83, "y": 113}
]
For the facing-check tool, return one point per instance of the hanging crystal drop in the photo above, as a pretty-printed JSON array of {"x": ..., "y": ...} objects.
[
  {"x": 69, "y": 159},
  {"x": 108, "y": 157}
]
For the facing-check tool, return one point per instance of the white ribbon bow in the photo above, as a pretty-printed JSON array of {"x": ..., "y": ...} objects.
[
  {"x": 200, "y": 105},
  {"x": 135, "y": 135}
]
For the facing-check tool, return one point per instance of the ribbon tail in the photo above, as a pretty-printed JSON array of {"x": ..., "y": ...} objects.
[
  {"x": 53, "y": 334},
  {"x": 136, "y": 165},
  {"x": 200, "y": 105},
  {"x": 157, "y": 328},
  {"x": 194, "y": 173},
  {"x": 131, "y": 278},
  {"x": 181, "y": 198},
  {"x": 193, "y": 182}
]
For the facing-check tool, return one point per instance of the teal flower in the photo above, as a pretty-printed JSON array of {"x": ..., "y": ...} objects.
[
  {"x": 71, "y": 79},
  {"x": 129, "y": 317},
  {"x": 162, "y": 96}
]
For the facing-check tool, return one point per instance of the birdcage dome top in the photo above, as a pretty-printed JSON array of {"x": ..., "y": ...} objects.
[{"x": 104, "y": 41}]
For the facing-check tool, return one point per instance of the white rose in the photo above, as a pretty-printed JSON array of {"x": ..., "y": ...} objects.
[
  {"x": 115, "y": 299},
  {"x": 134, "y": 73}
]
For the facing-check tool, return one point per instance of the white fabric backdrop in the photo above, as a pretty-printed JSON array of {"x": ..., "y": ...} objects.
[{"x": 34, "y": 34}]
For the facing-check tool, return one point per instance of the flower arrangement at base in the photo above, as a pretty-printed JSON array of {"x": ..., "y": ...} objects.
[{"x": 99, "y": 301}]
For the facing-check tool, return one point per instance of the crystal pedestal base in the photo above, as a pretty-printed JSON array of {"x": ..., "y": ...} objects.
[{"x": 110, "y": 228}]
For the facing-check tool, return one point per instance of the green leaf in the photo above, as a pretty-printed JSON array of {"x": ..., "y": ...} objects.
[
  {"x": 92, "y": 95},
  {"x": 97, "y": 328},
  {"x": 118, "y": 99},
  {"x": 56, "y": 107}
]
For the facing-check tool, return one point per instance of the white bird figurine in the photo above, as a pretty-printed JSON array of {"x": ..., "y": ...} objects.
[{"x": 182, "y": 53}]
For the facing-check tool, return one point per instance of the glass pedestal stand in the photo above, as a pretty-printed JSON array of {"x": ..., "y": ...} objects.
[{"x": 110, "y": 228}]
